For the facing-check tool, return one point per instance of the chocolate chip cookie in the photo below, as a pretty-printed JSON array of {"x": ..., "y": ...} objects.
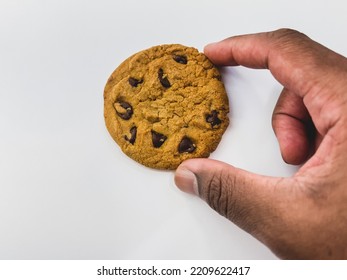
[{"x": 166, "y": 104}]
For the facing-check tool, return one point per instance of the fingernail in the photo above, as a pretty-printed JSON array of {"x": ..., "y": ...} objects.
[
  {"x": 186, "y": 181},
  {"x": 209, "y": 45}
]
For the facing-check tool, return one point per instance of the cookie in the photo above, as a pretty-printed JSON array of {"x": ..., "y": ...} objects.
[{"x": 166, "y": 104}]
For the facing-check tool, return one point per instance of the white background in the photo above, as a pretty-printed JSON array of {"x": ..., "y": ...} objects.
[{"x": 66, "y": 189}]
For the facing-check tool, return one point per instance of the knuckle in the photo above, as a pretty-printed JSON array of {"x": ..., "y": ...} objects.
[
  {"x": 219, "y": 193},
  {"x": 286, "y": 39},
  {"x": 287, "y": 33},
  {"x": 222, "y": 194}
]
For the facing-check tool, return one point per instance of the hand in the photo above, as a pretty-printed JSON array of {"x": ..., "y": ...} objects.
[{"x": 304, "y": 216}]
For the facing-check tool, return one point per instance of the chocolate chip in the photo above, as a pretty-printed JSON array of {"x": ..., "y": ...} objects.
[
  {"x": 123, "y": 109},
  {"x": 158, "y": 139},
  {"x": 218, "y": 77},
  {"x": 213, "y": 118},
  {"x": 186, "y": 145},
  {"x": 134, "y": 82},
  {"x": 180, "y": 59},
  {"x": 132, "y": 138},
  {"x": 163, "y": 79}
]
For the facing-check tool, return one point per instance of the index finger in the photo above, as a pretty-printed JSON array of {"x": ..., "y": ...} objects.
[
  {"x": 247, "y": 50},
  {"x": 295, "y": 60}
]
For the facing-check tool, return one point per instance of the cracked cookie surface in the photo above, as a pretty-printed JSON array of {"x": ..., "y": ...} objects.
[{"x": 166, "y": 104}]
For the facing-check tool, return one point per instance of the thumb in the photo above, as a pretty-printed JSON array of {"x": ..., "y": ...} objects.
[{"x": 254, "y": 202}]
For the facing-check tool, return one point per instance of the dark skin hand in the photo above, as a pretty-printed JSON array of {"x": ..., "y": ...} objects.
[{"x": 303, "y": 216}]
